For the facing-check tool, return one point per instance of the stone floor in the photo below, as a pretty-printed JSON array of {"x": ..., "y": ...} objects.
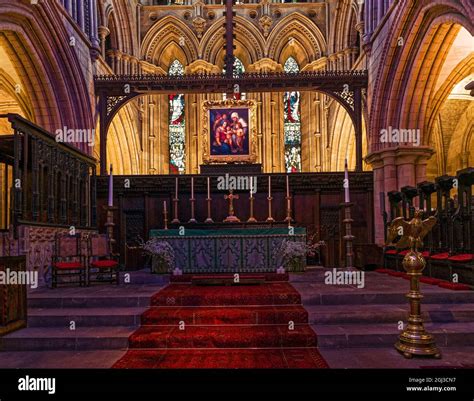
[{"x": 356, "y": 327}]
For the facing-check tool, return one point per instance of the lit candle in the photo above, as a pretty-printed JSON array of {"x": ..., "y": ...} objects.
[
  {"x": 346, "y": 183},
  {"x": 164, "y": 206},
  {"x": 192, "y": 187},
  {"x": 269, "y": 186},
  {"x": 208, "y": 188},
  {"x": 176, "y": 188},
  {"x": 111, "y": 188},
  {"x": 287, "y": 187}
]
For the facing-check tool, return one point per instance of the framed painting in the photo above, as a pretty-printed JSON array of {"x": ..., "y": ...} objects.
[{"x": 228, "y": 133}]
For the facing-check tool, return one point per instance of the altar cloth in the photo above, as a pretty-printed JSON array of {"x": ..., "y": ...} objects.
[{"x": 230, "y": 250}]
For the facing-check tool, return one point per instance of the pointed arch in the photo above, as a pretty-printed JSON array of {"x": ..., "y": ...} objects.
[
  {"x": 298, "y": 31},
  {"x": 249, "y": 43},
  {"x": 47, "y": 66},
  {"x": 166, "y": 31},
  {"x": 408, "y": 74}
]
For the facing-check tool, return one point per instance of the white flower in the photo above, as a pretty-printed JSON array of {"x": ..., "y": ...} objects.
[{"x": 160, "y": 249}]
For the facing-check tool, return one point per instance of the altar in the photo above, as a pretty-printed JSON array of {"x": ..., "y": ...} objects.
[{"x": 231, "y": 250}]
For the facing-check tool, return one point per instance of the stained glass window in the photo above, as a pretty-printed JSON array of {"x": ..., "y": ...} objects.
[
  {"x": 176, "y": 125},
  {"x": 292, "y": 123},
  {"x": 237, "y": 70}
]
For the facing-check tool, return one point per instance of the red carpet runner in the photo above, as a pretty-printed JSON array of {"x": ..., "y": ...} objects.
[{"x": 244, "y": 326}]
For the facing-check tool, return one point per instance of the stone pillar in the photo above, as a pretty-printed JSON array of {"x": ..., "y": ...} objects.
[
  {"x": 393, "y": 169},
  {"x": 103, "y": 33}
]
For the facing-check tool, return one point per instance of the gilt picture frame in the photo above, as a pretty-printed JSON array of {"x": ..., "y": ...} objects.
[{"x": 229, "y": 131}]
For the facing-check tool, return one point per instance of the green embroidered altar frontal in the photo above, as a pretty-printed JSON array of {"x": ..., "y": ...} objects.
[{"x": 228, "y": 250}]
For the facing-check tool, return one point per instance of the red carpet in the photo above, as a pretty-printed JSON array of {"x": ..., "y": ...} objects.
[
  {"x": 428, "y": 280},
  {"x": 224, "y": 327}
]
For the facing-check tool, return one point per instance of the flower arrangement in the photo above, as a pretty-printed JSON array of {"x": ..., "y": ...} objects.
[
  {"x": 162, "y": 255},
  {"x": 293, "y": 253}
]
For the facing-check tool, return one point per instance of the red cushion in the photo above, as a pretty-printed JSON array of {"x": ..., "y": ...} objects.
[
  {"x": 106, "y": 263},
  {"x": 403, "y": 253},
  {"x": 391, "y": 252},
  {"x": 430, "y": 280},
  {"x": 380, "y": 270},
  {"x": 440, "y": 256},
  {"x": 425, "y": 254},
  {"x": 454, "y": 286},
  {"x": 68, "y": 265},
  {"x": 464, "y": 257}
]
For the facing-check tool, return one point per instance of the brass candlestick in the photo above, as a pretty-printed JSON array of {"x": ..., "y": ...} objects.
[
  {"x": 175, "y": 208},
  {"x": 165, "y": 218},
  {"x": 192, "y": 219},
  {"x": 414, "y": 340},
  {"x": 251, "y": 219},
  {"x": 109, "y": 225},
  {"x": 288, "y": 218},
  {"x": 348, "y": 238},
  {"x": 270, "y": 219},
  {"x": 209, "y": 218}
]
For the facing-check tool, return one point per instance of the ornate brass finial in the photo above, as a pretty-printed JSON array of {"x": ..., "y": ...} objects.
[{"x": 414, "y": 340}]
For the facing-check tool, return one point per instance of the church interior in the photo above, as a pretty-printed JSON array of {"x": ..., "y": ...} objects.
[{"x": 243, "y": 184}]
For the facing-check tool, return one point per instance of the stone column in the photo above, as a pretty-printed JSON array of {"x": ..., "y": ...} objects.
[
  {"x": 393, "y": 169},
  {"x": 103, "y": 33}
]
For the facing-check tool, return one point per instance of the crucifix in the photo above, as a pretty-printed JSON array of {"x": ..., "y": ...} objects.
[{"x": 231, "y": 218}]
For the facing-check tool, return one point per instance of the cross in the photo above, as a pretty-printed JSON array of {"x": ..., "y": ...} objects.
[{"x": 231, "y": 198}]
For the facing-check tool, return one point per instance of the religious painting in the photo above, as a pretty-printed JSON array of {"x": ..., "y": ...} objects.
[{"x": 228, "y": 133}]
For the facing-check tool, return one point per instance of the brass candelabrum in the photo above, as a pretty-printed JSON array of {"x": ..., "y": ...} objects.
[
  {"x": 251, "y": 219},
  {"x": 414, "y": 340},
  {"x": 175, "y": 208}
]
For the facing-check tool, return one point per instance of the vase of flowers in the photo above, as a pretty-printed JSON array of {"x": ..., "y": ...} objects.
[
  {"x": 293, "y": 255},
  {"x": 162, "y": 255}
]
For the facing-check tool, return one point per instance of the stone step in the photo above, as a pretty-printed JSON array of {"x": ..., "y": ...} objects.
[
  {"x": 89, "y": 302},
  {"x": 359, "y": 297},
  {"x": 84, "y": 317},
  {"x": 385, "y": 335},
  {"x": 391, "y": 313},
  {"x": 55, "y": 338}
]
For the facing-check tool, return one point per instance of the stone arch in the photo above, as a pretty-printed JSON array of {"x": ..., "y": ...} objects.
[
  {"x": 165, "y": 31},
  {"x": 47, "y": 66},
  {"x": 408, "y": 73},
  {"x": 299, "y": 31},
  {"x": 249, "y": 43}
]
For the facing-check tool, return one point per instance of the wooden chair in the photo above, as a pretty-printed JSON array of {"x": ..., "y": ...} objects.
[
  {"x": 103, "y": 266},
  {"x": 68, "y": 261}
]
